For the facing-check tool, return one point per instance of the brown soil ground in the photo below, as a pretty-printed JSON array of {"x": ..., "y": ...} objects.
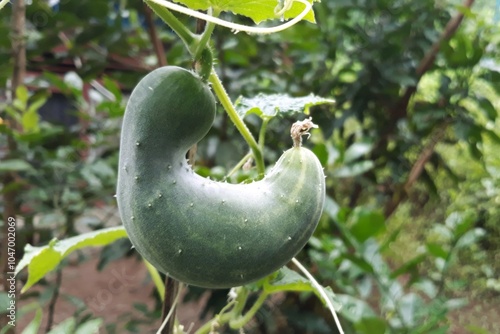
[{"x": 109, "y": 294}]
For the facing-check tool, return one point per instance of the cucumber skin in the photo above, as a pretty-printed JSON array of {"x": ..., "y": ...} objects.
[{"x": 201, "y": 232}]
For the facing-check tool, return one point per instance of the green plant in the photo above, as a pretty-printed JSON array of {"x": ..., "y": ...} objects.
[
  {"x": 202, "y": 232},
  {"x": 295, "y": 187},
  {"x": 374, "y": 144}
]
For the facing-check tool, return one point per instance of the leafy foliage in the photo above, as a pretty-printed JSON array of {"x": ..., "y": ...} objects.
[
  {"x": 41, "y": 260},
  {"x": 258, "y": 11},
  {"x": 396, "y": 270}
]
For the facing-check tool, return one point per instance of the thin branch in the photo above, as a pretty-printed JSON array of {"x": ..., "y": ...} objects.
[
  {"x": 171, "y": 291},
  {"x": 10, "y": 195},
  {"x": 424, "y": 157},
  {"x": 416, "y": 171},
  {"x": 53, "y": 301},
  {"x": 153, "y": 35},
  {"x": 450, "y": 29},
  {"x": 400, "y": 109}
]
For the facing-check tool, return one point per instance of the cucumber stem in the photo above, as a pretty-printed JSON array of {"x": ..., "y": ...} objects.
[
  {"x": 237, "y": 121},
  {"x": 190, "y": 40},
  {"x": 196, "y": 44},
  {"x": 243, "y": 320},
  {"x": 205, "y": 37},
  {"x": 239, "y": 165},
  {"x": 262, "y": 132},
  {"x": 155, "y": 276}
]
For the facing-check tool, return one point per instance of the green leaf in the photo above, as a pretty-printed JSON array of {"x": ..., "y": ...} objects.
[
  {"x": 30, "y": 121},
  {"x": 34, "y": 325},
  {"x": 267, "y": 106},
  {"x": 436, "y": 250},
  {"x": 66, "y": 326},
  {"x": 354, "y": 309},
  {"x": 409, "y": 306},
  {"x": 488, "y": 108},
  {"x": 113, "y": 87},
  {"x": 456, "y": 303},
  {"x": 257, "y": 10},
  {"x": 14, "y": 165},
  {"x": 41, "y": 260},
  {"x": 331, "y": 208},
  {"x": 470, "y": 237},
  {"x": 288, "y": 280},
  {"x": 353, "y": 169},
  {"x": 22, "y": 96},
  {"x": 408, "y": 266},
  {"x": 371, "y": 326},
  {"x": 366, "y": 223},
  {"x": 89, "y": 327},
  {"x": 356, "y": 151}
]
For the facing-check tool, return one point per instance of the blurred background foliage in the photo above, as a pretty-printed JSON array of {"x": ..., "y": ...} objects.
[{"x": 410, "y": 231}]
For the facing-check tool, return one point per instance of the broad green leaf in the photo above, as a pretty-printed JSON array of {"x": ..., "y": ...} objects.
[
  {"x": 267, "y": 106},
  {"x": 354, "y": 309},
  {"x": 30, "y": 121},
  {"x": 41, "y": 260},
  {"x": 354, "y": 169},
  {"x": 366, "y": 223},
  {"x": 437, "y": 250},
  {"x": 321, "y": 151},
  {"x": 257, "y": 10},
  {"x": 371, "y": 326},
  {"x": 14, "y": 165},
  {"x": 3, "y": 3},
  {"x": 470, "y": 237},
  {"x": 456, "y": 303},
  {"x": 409, "y": 266},
  {"x": 89, "y": 327},
  {"x": 359, "y": 262},
  {"x": 65, "y": 327},
  {"x": 289, "y": 280},
  {"x": 34, "y": 325},
  {"x": 488, "y": 108},
  {"x": 22, "y": 96},
  {"x": 356, "y": 151},
  {"x": 409, "y": 306},
  {"x": 113, "y": 87},
  {"x": 428, "y": 287}
]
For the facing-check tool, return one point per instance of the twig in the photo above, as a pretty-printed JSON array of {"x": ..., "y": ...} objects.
[
  {"x": 399, "y": 111},
  {"x": 417, "y": 169},
  {"x": 10, "y": 195},
  {"x": 401, "y": 108},
  {"x": 53, "y": 301},
  {"x": 449, "y": 31},
  {"x": 171, "y": 291},
  {"x": 153, "y": 35}
]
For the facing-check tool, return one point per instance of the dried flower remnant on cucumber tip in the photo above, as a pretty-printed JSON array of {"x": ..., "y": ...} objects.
[{"x": 301, "y": 128}]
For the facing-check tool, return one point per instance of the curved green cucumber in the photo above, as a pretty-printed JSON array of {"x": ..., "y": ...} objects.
[{"x": 198, "y": 231}]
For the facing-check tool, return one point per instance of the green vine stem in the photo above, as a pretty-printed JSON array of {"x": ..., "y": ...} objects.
[
  {"x": 190, "y": 39},
  {"x": 239, "y": 165},
  {"x": 243, "y": 320},
  {"x": 193, "y": 43},
  {"x": 205, "y": 37},
  {"x": 237, "y": 121},
  {"x": 222, "y": 318},
  {"x": 155, "y": 276},
  {"x": 262, "y": 132},
  {"x": 234, "y": 317}
]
